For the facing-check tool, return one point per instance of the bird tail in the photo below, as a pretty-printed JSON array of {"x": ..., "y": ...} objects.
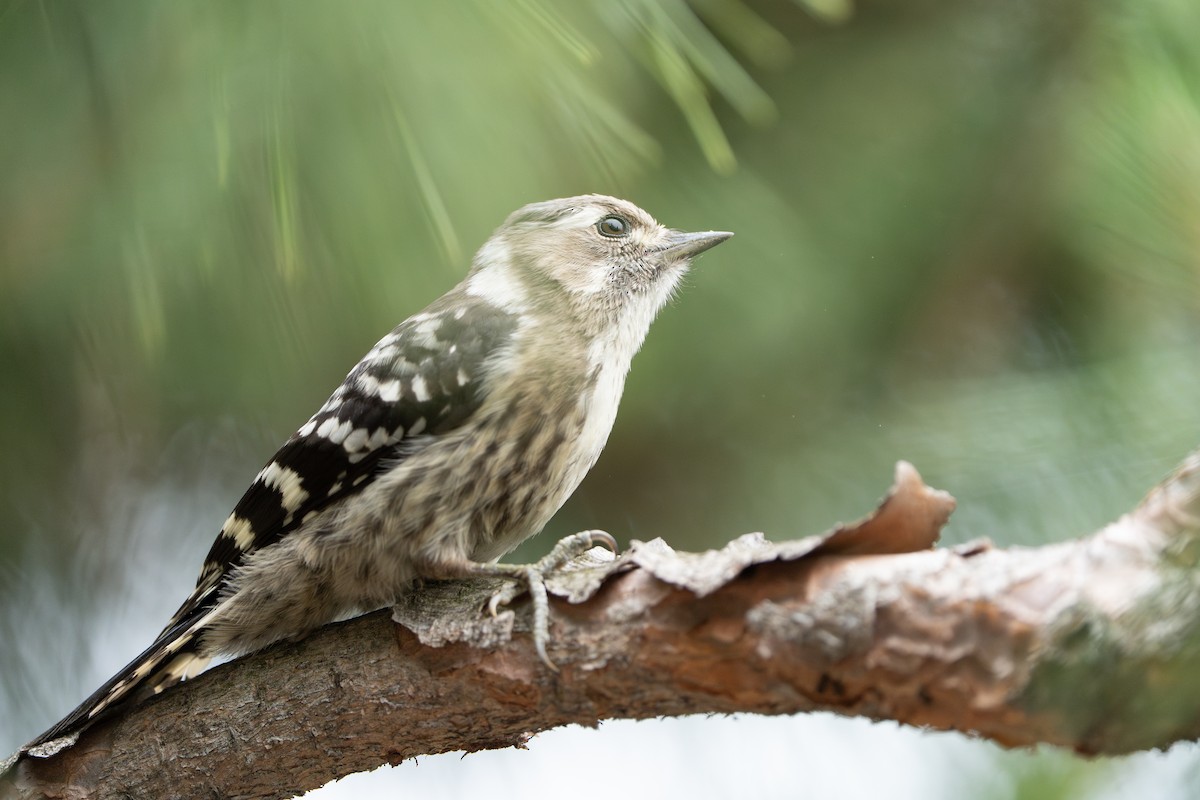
[{"x": 173, "y": 656}]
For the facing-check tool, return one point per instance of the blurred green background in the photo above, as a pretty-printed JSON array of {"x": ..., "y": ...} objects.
[{"x": 968, "y": 236}]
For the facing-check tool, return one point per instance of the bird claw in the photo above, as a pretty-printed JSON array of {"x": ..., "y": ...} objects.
[
  {"x": 532, "y": 577},
  {"x": 575, "y": 545},
  {"x": 502, "y": 597}
]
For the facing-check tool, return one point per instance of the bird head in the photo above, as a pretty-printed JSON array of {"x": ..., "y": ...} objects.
[{"x": 600, "y": 261}]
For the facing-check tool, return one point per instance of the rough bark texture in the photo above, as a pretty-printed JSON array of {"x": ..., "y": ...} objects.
[{"x": 1092, "y": 645}]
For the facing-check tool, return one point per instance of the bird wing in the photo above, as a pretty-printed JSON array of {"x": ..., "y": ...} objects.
[{"x": 424, "y": 378}]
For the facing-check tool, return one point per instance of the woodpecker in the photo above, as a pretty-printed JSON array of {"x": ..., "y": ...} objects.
[{"x": 457, "y": 437}]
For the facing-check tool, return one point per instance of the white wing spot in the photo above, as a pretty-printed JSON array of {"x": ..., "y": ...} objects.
[
  {"x": 356, "y": 440},
  {"x": 389, "y": 392},
  {"x": 378, "y": 439},
  {"x": 463, "y": 379},
  {"x": 382, "y": 355},
  {"x": 287, "y": 481},
  {"x": 420, "y": 390},
  {"x": 417, "y": 426},
  {"x": 307, "y": 428},
  {"x": 185, "y": 666},
  {"x": 368, "y": 383},
  {"x": 335, "y": 430},
  {"x": 238, "y": 529},
  {"x": 341, "y": 432}
]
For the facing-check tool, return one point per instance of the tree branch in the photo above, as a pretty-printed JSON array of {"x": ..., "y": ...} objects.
[{"x": 1091, "y": 644}]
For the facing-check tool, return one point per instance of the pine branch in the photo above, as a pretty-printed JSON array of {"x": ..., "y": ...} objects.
[{"x": 1091, "y": 644}]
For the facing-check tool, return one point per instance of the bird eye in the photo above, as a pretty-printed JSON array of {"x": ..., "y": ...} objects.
[{"x": 613, "y": 227}]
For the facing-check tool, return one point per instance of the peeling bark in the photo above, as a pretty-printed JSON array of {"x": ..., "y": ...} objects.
[{"x": 1092, "y": 645}]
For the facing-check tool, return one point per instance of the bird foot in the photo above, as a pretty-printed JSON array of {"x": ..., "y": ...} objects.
[{"x": 532, "y": 577}]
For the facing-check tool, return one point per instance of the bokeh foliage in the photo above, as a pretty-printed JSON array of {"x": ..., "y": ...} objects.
[{"x": 967, "y": 237}]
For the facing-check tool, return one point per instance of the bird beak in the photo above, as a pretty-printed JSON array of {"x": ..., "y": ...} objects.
[{"x": 689, "y": 245}]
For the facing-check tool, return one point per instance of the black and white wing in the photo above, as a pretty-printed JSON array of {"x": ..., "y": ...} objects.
[{"x": 424, "y": 378}]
